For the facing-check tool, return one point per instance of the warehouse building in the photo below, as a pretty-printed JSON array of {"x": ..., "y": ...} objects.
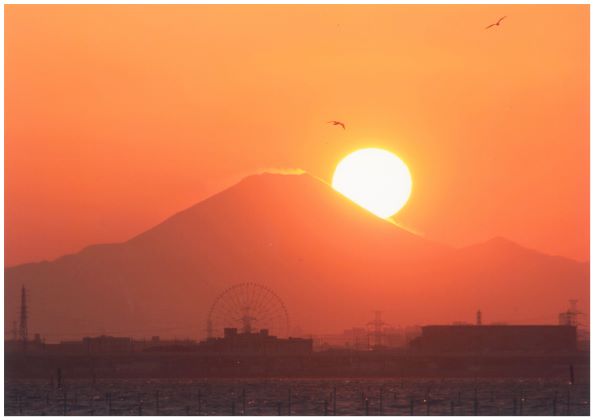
[{"x": 496, "y": 338}]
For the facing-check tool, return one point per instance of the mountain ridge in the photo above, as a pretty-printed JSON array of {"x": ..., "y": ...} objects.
[
  {"x": 499, "y": 240},
  {"x": 296, "y": 235}
]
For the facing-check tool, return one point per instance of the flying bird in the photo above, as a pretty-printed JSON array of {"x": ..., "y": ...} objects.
[
  {"x": 337, "y": 123},
  {"x": 496, "y": 24}
]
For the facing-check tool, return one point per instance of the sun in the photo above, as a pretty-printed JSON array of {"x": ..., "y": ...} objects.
[{"x": 375, "y": 179}]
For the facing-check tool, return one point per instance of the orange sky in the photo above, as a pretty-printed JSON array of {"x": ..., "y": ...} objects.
[{"x": 118, "y": 116}]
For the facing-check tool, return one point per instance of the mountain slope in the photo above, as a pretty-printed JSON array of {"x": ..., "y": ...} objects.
[{"x": 331, "y": 261}]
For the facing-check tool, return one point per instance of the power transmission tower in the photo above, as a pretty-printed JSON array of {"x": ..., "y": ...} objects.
[
  {"x": 377, "y": 325},
  {"x": 23, "y": 329},
  {"x": 570, "y": 317}
]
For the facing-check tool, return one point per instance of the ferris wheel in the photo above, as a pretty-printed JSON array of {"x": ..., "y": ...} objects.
[{"x": 249, "y": 307}]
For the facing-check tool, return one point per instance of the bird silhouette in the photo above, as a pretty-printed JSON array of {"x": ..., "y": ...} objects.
[
  {"x": 496, "y": 24},
  {"x": 337, "y": 123}
]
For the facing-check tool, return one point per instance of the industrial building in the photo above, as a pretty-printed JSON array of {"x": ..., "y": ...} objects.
[
  {"x": 496, "y": 338},
  {"x": 260, "y": 342}
]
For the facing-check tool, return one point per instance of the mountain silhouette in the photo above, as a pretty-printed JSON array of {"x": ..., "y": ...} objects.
[{"x": 332, "y": 262}]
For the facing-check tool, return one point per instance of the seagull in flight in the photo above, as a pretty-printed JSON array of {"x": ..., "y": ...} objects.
[
  {"x": 337, "y": 123},
  {"x": 496, "y": 24}
]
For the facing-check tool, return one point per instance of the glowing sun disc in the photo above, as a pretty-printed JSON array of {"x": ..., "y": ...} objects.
[{"x": 375, "y": 179}]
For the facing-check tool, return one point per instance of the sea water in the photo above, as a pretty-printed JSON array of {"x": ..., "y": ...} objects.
[{"x": 397, "y": 396}]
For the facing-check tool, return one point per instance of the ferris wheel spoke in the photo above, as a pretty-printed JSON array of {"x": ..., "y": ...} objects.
[
  {"x": 237, "y": 303},
  {"x": 248, "y": 305},
  {"x": 260, "y": 297},
  {"x": 269, "y": 304},
  {"x": 228, "y": 309},
  {"x": 235, "y": 299},
  {"x": 227, "y": 317},
  {"x": 251, "y": 295}
]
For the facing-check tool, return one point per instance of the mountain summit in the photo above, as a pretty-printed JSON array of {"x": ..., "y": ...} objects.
[{"x": 332, "y": 262}]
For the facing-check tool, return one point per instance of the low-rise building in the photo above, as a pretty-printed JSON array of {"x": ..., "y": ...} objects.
[
  {"x": 261, "y": 342},
  {"x": 496, "y": 338}
]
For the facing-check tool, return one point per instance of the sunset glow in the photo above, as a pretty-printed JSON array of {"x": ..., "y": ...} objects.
[
  {"x": 220, "y": 196},
  {"x": 375, "y": 179}
]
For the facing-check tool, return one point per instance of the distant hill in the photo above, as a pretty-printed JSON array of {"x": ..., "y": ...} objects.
[{"x": 332, "y": 262}]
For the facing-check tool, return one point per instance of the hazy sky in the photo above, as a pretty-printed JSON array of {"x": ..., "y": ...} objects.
[{"x": 119, "y": 116}]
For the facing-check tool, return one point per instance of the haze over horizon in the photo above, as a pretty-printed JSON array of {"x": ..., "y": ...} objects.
[{"x": 140, "y": 112}]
